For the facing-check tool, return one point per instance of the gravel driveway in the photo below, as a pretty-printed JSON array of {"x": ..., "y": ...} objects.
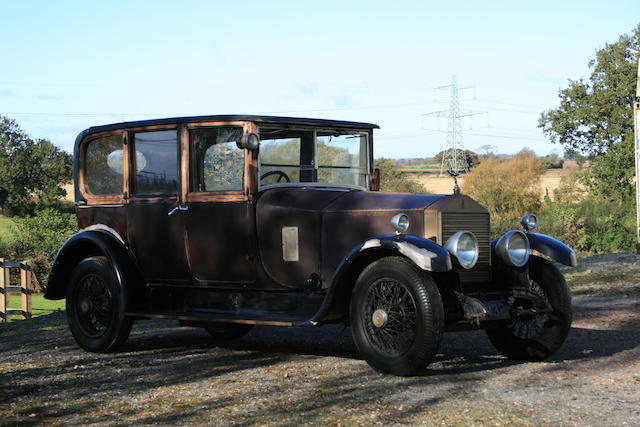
[{"x": 168, "y": 374}]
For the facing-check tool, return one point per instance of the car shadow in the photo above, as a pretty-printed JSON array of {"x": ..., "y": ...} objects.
[{"x": 460, "y": 352}]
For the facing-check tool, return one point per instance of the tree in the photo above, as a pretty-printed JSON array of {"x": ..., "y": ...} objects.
[
  {"x": 470, "y": 158},
  {"x": 526, "y": 152},
  {"x": 595, "y": 117},
  {"x": 573, "y": 154},
  {"x": 31, "y": 171},
  {"x": 487, "y": 148}
]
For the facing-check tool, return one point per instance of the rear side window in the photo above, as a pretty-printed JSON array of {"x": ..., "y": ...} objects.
[
  {"x": 103, "y": 174},
  {"x": 156, "y": 162}
]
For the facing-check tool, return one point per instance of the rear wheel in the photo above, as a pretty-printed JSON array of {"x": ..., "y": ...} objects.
[
  {"x": 396, "y": 315},
  {"x": 539, "y": 336},
  {"x": 94, "y": 307},
  {"x": 228, "y": 331}
]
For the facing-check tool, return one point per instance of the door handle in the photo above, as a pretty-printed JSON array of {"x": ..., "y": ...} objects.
[{"x": 178, "y": 209}]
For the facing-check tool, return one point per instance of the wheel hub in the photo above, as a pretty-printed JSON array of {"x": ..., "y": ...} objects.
[
  {"x": 379, "y": 318},
  {"x": 85, "y": 305}
]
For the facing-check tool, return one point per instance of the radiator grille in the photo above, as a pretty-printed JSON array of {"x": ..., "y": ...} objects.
[{"x": 478, "y": 224}]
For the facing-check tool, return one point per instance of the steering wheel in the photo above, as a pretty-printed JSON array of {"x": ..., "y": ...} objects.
[{"x": 280, "y": 174}]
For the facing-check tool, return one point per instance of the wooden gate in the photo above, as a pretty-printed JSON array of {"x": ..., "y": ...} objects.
[{"x": 25, "y": 289}]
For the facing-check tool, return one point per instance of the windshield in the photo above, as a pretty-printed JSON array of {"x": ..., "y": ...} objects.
[{"x": 313, "y": 156}]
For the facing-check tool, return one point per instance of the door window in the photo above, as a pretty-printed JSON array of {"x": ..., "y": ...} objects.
[
  {"x": 156, "y": 162},
  {"x": 219, "y": 163}
]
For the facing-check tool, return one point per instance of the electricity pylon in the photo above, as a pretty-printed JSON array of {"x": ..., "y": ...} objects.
[{"x": 453, "y": 157}]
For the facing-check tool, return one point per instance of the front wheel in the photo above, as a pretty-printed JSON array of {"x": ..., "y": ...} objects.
[
  {"x": 538, "y": 337},
  {"x": 397, "y": 317},
  {"x": 94, "y": 307}
]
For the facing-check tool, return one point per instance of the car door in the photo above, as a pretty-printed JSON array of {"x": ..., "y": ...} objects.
[
  {"x": 219, "y": 220},
  {"x": 157, "y": 238}
]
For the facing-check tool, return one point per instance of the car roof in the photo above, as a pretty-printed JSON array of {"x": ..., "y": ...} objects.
[{"x": 231, "y": 118}]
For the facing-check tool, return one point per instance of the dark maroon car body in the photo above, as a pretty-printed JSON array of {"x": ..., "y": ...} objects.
[{"x": 276, "y": 253}]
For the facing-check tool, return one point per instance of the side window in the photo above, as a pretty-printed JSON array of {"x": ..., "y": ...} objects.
[
  {"x": 219, "y": 163},
  {"x": 103, "y": 174},
  {"x": 156, "y": 162}
]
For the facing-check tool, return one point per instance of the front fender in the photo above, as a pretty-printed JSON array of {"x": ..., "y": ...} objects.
[
  {"x": 553, "y": 248},
  {"x": 427, "y": 255},
  {"x": 95, "y": 243}
]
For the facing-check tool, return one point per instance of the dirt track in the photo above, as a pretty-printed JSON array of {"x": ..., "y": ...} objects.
[{"x": 279, "y": 376}]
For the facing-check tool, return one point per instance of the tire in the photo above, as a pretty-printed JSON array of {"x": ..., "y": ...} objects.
[
  {"x": 397, "y": 317},
  {"x": 540, "y": 337},
  {"x": 228, "y": 331},
  {"x": 94, "y": 307}
]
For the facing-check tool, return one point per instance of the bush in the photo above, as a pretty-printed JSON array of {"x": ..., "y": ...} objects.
[
  {"x": 507, "y": 189},
  {"x": 393, "y": 181},
  {"x": 590, "y": 225},
  {"x": 37, "y": 239}
]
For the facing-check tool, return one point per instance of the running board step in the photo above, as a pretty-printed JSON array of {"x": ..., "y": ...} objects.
[{"x": 219, "y": 316}]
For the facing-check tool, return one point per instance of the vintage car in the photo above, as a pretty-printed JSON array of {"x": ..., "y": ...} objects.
[{"x": 225, "y": 222}]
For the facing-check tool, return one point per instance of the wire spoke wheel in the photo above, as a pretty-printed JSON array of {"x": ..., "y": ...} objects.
[
  {"x": 396, "y": 316},
  {"x": 537, "y": 336},
  {"x": 390, "y": 317},
  {"x": 531, "y": 327},
  {"x": 94, "y": 308}
]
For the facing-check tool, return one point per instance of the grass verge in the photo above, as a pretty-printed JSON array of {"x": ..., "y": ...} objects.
[
  {"x": 42, "y": 323},
  {"x": 39, "y": 305},
  {"x": 51, "y": 313},
  {"x": 605, "y": 275},
  {"x": 4, "y": 228},
  {"x": 51, "y": 310}
]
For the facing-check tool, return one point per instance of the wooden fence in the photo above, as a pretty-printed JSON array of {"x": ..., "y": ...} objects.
[{"x": 24, "y": 290}]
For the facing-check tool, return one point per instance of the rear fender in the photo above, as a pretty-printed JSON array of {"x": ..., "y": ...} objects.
[{"x": 96, "y": 243}]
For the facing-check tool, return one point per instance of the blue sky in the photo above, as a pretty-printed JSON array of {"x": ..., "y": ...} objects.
[{"x": 69, "y": 65}]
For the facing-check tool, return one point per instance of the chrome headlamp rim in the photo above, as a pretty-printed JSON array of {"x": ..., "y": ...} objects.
[
  {"x": 505, "y": 248},
  {"x": 529, "y": 222},
  {"x": 453, "y": 246},
  {"x": 400, "y": 223}
]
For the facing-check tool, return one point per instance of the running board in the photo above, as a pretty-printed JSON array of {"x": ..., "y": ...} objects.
[{"x": 219, "y": 316}]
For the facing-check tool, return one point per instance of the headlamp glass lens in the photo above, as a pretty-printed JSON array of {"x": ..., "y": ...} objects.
[
  {"x": 518, "y": 249},
  {"x": 466, "y": 250}
]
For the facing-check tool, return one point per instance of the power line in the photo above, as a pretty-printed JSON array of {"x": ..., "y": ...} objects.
[
  {"x": 510, "y": 103},
  {"x": 507, "y": 136}
]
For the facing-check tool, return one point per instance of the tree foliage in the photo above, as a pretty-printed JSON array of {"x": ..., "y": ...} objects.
[
  {"x": 470, "y": 158},
  {"x": 595, "y": 117},
  {"x": 596, "y": 113},
  {"x": 31, "y": 171},
  {"x": 37, "y": 239}
]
